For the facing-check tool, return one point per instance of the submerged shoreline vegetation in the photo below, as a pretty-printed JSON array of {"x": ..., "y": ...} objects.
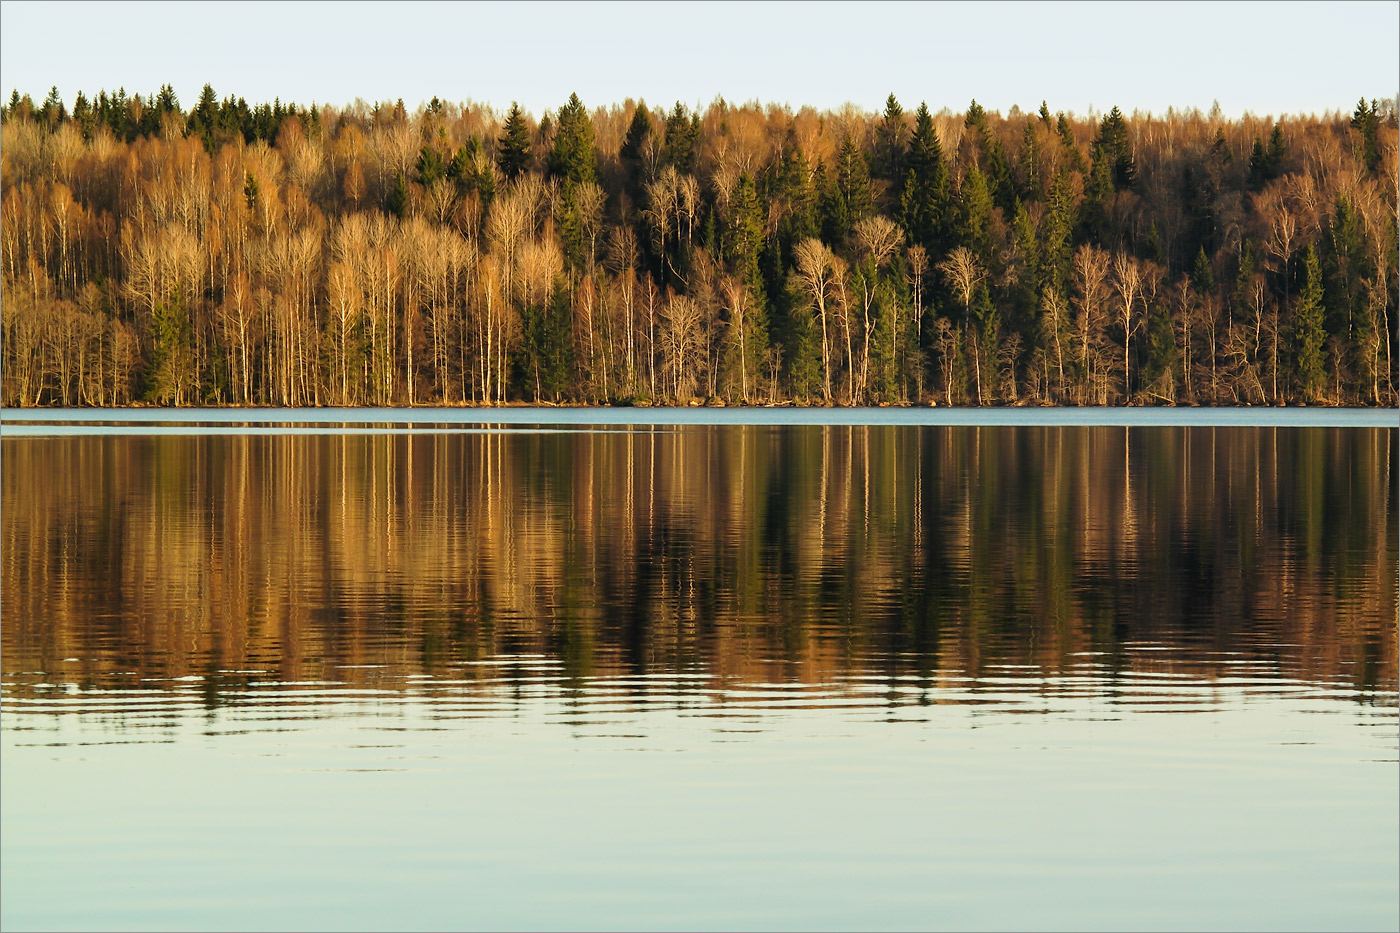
[{"x": 278, "y": 255}]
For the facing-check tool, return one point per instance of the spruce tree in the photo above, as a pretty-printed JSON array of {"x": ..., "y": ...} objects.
[
  {"x": 398, "y": 197},
  {"x": 513, "y": 148},
  {"x": 926, "y": 202},
  {"x": 1366, "y": 121},
  {"x": 573, "y": 158},
  {"x": 1311, "y": 330},
  {"x": 853, "y": 178},
  {"x": 890, "y": 141},
  {"x": 975, "y": 214},
  {"x": 743, "y": 235},
  {"x": 682, "y": 136},
  {"x": 429, "y": 167},
  {"x": 1115, "y": 149},
  {"x": 204, "y": 118}
]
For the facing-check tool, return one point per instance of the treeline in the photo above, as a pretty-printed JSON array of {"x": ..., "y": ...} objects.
[{"x": 285, "y": 255}]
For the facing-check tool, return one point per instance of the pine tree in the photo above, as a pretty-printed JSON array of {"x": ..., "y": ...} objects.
[{"x": 513, "y": 148}]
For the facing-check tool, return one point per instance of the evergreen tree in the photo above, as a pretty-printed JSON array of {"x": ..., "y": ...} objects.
[
  {"x": 890, "y": 141},
  {"x": 1366, "y": 121},
  {"x": 926, "y": 202},
  {"x": 398, "y": 197},
  {"x": 53, "y": 112},
  {"x": 634, "y": 147},
  {"x": 1278, "y": 151},
  {"x": 429, "y": 167},
  {"x": 1258, "y": 165},
  {"x": 204, "y": 118},
  {"x": 513, "y": 148},
  {"x": 975, "y": 210},
  {"x": 682, "y": 136},
  {"x": 1114, "y": 148},
  {"x": 574, "y": 158},
  {"x": 743, "y": 236},
  {"x": 1311, "y": 332},
  {"x": 1057, "y": 227},
  {"x": 853, "y": 180},
  {"x": 1202, "y": 275},
  {"x": 1067, "y": 142},
  {"x": 1030, "y": 163},
  {"x": 1346, "y": 265},
  {"x": 83, "y": 115}
]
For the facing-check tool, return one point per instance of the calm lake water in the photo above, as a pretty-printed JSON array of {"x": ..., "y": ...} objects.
[{"x": 699, "y": 670}]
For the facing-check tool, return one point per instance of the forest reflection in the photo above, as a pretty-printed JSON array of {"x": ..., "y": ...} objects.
[{"x": 739, "y": 554}]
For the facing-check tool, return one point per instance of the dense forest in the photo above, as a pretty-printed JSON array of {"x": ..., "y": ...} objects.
[{"x": 288, "y": 255}]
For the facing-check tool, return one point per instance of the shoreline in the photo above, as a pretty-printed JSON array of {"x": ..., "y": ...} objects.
[{"x": 20, "y": 421}]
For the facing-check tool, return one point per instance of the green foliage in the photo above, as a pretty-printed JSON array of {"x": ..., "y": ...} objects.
[
  {"x": 1068, "y": 144},
  {"x": 743, "y": 235},
  {"x": 1202, "y": 275},
  {"x": 204, "y": 118},
  {"x": 169, "y": 375},
  {"x": 513, "y": 147},
  {"x": 1311, "y": 332},
  {"x": 574, "y": 159},
  {"x": 1266, "y": 164},
  {"x": 926, "y": 203},
  {"x": 1115, "y": 149},
  {"x": 1030, "y": 163},
  {"x": 975, "y": 203},
  {"x": 853, "y": 181},
  {"x": 398, "y": 197},
  {"x": 890, "y": 142},
  {"x": 544, "y": 361},
  {"x": 1057, "y": 247},
  {"x": 1366, "y": 121},
  {"x": 682, "y": 137},
  {"x": 429, "y": 167},
  {"x": 801, "y": 339}
]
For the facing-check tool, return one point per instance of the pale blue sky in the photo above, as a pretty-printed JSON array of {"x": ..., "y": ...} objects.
[{"x": 1267, "y": 58}]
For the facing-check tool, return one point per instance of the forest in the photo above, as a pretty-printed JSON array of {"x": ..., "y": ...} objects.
[{"x": 291, "y": 255}]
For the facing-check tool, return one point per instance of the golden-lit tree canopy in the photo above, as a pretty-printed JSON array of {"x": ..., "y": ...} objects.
[{"x": 281, "y": 255}]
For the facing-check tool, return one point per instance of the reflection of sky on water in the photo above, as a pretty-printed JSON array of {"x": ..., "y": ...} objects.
[{"x": 1050, "y": 802}]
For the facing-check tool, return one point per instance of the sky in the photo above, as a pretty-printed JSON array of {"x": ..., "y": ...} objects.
[{"x": 1267, "y": 58}]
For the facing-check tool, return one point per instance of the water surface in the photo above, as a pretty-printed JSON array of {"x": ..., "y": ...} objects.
[{"x": 436, "y": 673}]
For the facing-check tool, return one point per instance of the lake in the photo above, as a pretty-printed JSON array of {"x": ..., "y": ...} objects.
[{"x": 699, "y": 669}]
